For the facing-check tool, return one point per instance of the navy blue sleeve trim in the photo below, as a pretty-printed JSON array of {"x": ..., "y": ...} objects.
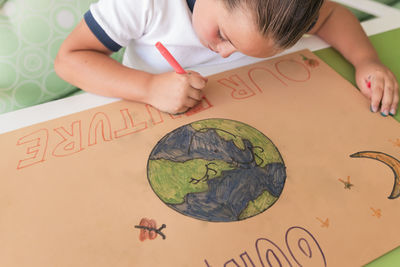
[
  {"x": 100, "y": 33},
  {"x": 191, "y": 4}
]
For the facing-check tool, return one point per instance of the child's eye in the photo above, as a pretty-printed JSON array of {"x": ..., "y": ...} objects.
[{"x": 220, "y": 35}]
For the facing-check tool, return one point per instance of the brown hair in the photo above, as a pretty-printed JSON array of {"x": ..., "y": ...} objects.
[{"x": 283, "y": 20}]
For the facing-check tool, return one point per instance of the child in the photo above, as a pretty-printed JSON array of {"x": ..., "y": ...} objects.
[{"x": 207, "y": 32}]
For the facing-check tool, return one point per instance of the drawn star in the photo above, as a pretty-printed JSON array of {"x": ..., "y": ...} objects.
[
  {"x": 324, "y": 223},
  {"x": 347, "y": 184},
  {"x": 376, "y": 212}
]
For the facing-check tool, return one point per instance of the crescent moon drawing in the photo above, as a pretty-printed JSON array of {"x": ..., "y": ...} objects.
[{"x": 390, "y": 161}]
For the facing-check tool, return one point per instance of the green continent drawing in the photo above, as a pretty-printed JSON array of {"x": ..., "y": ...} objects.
[{"x": 217, "y": 170}]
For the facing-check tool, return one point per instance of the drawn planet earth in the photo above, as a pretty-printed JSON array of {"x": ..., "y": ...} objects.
[{"x": 217, "y": 170}]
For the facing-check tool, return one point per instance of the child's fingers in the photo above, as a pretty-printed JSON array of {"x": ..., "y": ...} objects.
[
  {"x": 191, "y": 72},
  {"x": 196, "y": 94},
  {"x": 387, "y": 99},
  {"x": 377, "y": 86},
  {"x": 365, "y": 87},
  {"x": 395, "y": 103},
  {"x": 197, "y": 82},
  {"x": 190, "y": 102}
]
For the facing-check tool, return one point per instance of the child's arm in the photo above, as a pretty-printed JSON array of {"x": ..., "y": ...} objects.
[
  {"x": 84, "y": 61},
  {"x": 341, "y": 29}
]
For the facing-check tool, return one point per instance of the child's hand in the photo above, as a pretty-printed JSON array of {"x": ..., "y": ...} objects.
[
  {"x": 176, "y": 93},
  {"x": 379, "y": 85}
]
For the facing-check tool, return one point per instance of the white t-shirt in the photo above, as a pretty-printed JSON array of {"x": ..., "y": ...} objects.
[{"x": 139, "y": 24}]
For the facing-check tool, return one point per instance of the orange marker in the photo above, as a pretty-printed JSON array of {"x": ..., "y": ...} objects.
[{"x": 171, "y": 60}]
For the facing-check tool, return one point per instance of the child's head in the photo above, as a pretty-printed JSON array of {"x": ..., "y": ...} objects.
[{"x": 259, "y": 28}]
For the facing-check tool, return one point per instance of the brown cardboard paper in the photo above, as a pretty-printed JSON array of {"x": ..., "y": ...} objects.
[{"x": 75, "y": 191}]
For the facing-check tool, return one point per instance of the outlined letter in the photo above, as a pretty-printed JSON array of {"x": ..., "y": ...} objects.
[
  {"x": 36, "y": 143},
  {"x": 294, "y": 70},
  {"x": 231, "y": 263},
  {"x": 257, "y": 71},
  {"x": 304, "y": 248},
  {"x": 154, "y": 114},
  {"x": 130, "y": 126},
  {"x": 240, "y": 89},
  {"x": 270, "y": 254},
  {"x": 72, "y": 141},
  {"x": 203, "y": 105},
  {"x": 100, "y": 122}
]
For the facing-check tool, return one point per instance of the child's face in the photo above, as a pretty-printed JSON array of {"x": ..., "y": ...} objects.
[{"x": 226, "y": 32}]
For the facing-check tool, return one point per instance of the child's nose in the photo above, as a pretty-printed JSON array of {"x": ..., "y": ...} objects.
[{"x": 226, "y": 52}]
